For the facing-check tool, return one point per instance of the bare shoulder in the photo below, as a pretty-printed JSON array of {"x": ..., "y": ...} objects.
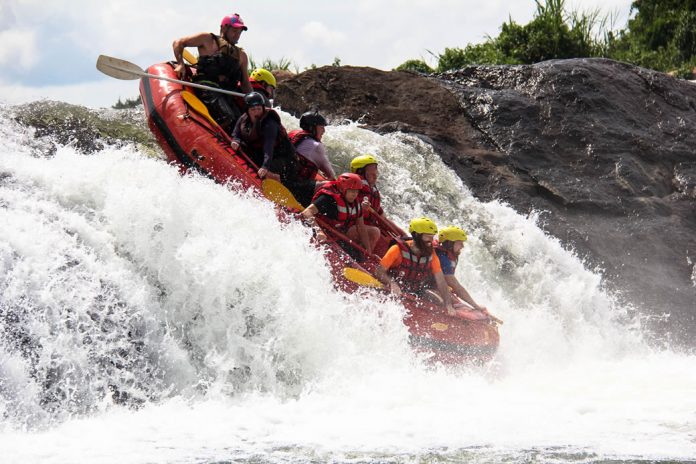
[{"x": 200, "y": 39}]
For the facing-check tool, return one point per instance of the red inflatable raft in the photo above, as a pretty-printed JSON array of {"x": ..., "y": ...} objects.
[{"x": 194, "y": 142}]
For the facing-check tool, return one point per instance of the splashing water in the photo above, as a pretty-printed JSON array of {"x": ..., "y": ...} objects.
[{"x": 150, "y": 317}]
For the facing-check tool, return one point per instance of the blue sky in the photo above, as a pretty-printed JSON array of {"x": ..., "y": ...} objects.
[{"x": 50, "y": 47}]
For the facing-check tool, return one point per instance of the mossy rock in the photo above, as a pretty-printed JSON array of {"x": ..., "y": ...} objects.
[{"x": 86, "y": 129}]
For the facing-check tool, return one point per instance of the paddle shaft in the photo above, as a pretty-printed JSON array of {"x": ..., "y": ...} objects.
[
  {"x": 191, "y": 84},
  {"x": 385, "y": 223},
  {"x": 127, "y": 70}
]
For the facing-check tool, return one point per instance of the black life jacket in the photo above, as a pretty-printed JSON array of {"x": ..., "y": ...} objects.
[
  {"x": 414, "y": 274},
  {"x": 222, "y": 68},
  {"x": 253, "y": 140},
  {"x": 348, "y": 214},
  {"x": 306, "y": 169}
]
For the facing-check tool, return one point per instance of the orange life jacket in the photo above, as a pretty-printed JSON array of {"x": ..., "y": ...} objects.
[
  {"x": 414, "y": 274},
  {"x": 348, "y": 215},
  {"x": 306, "y": 169}
]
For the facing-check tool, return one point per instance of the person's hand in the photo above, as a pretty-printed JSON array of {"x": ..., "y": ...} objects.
[
  {"x": 234, "y": 145},
  {"x": 181, "y": 71},
  {"x": 321, "y": 236},
  {"x": 394, "y": 288},
  {"x": 450, "y": 310},
  {"x": 262, "y": 173}
]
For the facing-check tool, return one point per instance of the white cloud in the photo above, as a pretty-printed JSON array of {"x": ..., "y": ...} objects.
[
  {"x": 378, "y": 33},
  {"x": 18, "y": 48},
  {"x": 319, "y": 34}
]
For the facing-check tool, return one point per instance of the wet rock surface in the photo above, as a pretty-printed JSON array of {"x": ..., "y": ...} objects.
[{"x": 606, "y": 150}]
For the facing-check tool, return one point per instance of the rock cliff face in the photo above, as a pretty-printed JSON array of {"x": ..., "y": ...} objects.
[{"x": 606, "y": 149}]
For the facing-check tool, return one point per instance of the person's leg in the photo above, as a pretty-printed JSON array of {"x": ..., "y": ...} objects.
[{"x": 221, "y": 109}]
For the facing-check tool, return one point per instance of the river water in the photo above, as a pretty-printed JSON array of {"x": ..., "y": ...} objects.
[{"x": 147, "y": 317}]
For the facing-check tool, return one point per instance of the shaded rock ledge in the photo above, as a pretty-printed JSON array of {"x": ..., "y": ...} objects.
[{"x": 606, "y": 149}]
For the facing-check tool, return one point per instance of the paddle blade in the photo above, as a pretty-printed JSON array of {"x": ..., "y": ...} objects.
[
  {"x": 188, "y": 56},
  {"x": 279, "y": 194},
  {"x": 361, "y": 278},
  {"x": 197, "y": 105},
  {"x": 119, "y": 69}
]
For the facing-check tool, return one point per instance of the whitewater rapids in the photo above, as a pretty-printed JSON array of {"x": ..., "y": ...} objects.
[{"x": 147, "y": 317}]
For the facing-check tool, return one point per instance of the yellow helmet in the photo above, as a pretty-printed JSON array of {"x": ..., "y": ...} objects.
[
  {"x": 361, "y": 161},
  {"x": 451, "y": 234},
  {"x": 263, "y": 75},
  {"x": 422, "y": 225}
]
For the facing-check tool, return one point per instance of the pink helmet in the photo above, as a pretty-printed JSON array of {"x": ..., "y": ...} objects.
[
  {"x": 347, "y": 181},
  {"x": 233, "y": 20}
]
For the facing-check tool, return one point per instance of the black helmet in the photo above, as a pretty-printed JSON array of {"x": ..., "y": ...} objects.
[
  {"x": 311, "y": 119},
  {"x": 254, "y": 99}
]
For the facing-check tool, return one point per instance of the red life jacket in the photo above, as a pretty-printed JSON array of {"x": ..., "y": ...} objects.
[
  {"x": 372, "y": 195},
  {"x": 348, "y": 215},
  {"x": 414, "y": 273},
  {"x": 306, "y": 169}
]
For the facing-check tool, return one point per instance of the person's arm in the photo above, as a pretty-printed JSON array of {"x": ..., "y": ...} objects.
[
  {"x": 444, "y": 292},
  {"x": 461, "y": 292},
  {"x": 236, "y": 135},
  {"x": 244, "y": 83},
  {"x": 269, "y": 132},
  {"x": 382, "y": 276},
  {"x": 442, "y": 288},
  {"x": 308, "y": 214},
  {"x": 202, "y": 40},
  {"x": 391, "y": 258},
  {"x": 323, "y": 163}
]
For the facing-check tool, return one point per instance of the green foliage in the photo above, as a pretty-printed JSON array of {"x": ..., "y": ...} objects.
[
  {"x": 129, "y": 103},
  {"x": 661, "y": 36},
  {"x": 552, "y": 34},
  {"x": 283, "y": 64},
  {"x": 336, "y": 62},
  {"x": 419, "y": 66},
  {"x": 485, "y": 53}
]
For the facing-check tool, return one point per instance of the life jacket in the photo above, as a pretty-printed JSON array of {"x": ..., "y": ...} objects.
[
  {"x": 222, "y": 68},
  {"x": 253, "y": 140},
  {"x": 372, "y": 195},
  {"x": 306, "y": 169},
  {"x": 442, "y": 251},
  {"x": 414, "y": 274},
  {"x": 348, "y": 215}
]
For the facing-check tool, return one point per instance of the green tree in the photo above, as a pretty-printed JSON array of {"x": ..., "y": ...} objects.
[{"x": 415, "y": 66}]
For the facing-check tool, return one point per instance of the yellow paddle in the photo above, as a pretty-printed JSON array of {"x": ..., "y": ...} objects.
[
  {"x": 198, "y": 106},
  {"x": 279, "y": 194},
  {"x": 188, "y": 56},
  {"x": 361, "y": 278}
]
